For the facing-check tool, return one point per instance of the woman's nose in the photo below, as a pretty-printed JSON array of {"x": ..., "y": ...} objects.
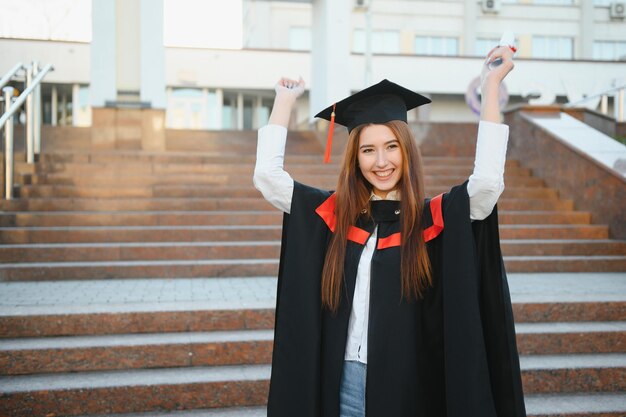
[{"x": 381, "y": 159}]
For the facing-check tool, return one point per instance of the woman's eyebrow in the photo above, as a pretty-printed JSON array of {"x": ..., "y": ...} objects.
[{"x": 386, "y": 143}]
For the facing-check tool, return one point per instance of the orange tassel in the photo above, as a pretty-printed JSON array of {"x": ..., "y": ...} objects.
[{"x": 329, "y": 140}]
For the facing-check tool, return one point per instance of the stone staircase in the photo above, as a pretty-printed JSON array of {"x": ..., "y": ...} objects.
[{"x": 144, "y": 283}]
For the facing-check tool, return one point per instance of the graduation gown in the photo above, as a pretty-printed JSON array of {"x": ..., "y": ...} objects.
[{"x": 451, "y": 353}]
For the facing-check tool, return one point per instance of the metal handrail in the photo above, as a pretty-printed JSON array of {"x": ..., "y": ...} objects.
[
  {"x": 17, "y": 103},
  {"x": 603, "y": 93},
  {"x": 32, "y": 94},
  {"x": 7, "y": 77},
  {"x": 619, "y": 101}
]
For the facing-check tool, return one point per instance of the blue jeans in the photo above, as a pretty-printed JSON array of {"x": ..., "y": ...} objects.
[{"x": 352, "y": 389}]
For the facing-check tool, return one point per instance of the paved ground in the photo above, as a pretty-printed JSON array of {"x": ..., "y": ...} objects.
[{"x": 18, "y": 298}]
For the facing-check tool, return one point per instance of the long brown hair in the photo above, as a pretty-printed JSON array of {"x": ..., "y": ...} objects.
[{"x": 353, "y": 195}]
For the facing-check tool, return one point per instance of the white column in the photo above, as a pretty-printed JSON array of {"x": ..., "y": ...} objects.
[
  {"x": 64, "y": 109},
  {"x": 102, "y": 50},
  {"x": 205, "y": 108},
  {"x": 54, "y": 106},
  {"x": 152, "y": 54},
  {"x": 168, "y": 113},
  {"x": 219, "y": 109},
  {"x": 239, "y": 111},
  {"x": 586, "y": 30},
  {"x": 330, "y": 54},
  {"x": 75, "y": 91},
  {"x": 258, "y": 103},
  {"x": 128, "y": 49},
  {"x": 620, "y": 103},
  {"x": 469, "y": 27}
]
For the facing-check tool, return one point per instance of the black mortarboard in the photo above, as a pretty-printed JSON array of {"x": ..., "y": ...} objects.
[{"x": 379, "y": 103}]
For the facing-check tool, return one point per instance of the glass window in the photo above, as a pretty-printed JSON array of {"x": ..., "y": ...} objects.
[
  {"x": 558, "y": 2},
  {"x": 300, "y": 38},
  {"x": 609, "y": 50},
  {"x": 213, "y": 121},
  {"x": 436, "y": 45},
  {"x": 229, "y": 113},
  {"x": 383, "y": 41},
  {"x": 553, "y": 47},
  {"x": 602, "y": 2},
  {"x": 484, "y": 45}
]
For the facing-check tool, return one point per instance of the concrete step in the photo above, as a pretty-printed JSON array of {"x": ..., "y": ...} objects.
[
  {"x": 77, "y": 234},
  {"x": 206, "y": 387},
  {"x": 96, "y": 319},
  {"x": 250, "y": 267},
  {"x": 111, "y": 179},
  {"x": 87, "y": 252},
  {"x": 180, "y": 164},
  {"x": 100, "y": 307},
  {"x": 134, "y": 391},
  {"x": 200, "y": 157},
  {"x": 73, "y": 234},
  {"x": 43, "y": 271},
  {"x": 571, "y": 337},
  {"x": 432, "y": 167},
  {"x": 130, "y": 251},
  {"x": 537, "y": 405},
  {"x": 241, "y": 347},
  {"x": 600, "y": 263},
  {"x": 260, "y": 411},
  {"x": 563, "y": 247},
  {"x": 576, "y": 405},
  {"x": 204, "y": 191},
  {"x": 138, "y": 351},
  {"x": 204, "y": 204},
  {"x": 236, "y": 169},
  {"x": 573, "y": 373},
  {"x": 259, "y": 217}
]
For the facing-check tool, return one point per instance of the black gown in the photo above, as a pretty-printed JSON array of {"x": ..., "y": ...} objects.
[{"x": 451, "y": 353}]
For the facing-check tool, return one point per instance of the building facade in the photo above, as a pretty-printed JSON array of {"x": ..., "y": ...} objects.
[{"x": 567, "y": 49}]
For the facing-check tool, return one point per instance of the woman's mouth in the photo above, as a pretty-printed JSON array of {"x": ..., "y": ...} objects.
[{"x": 383, "y": 174}]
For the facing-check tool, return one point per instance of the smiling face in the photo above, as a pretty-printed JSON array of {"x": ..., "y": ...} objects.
[{"x": 380, "y": 158}]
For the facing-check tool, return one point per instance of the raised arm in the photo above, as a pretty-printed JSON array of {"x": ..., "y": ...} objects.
[
  {"x": 270, "y": 178},
  {"x": 487, "y": 181}
]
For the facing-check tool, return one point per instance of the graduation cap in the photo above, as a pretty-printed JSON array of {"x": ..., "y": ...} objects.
[{"x": 379, "y": 103}]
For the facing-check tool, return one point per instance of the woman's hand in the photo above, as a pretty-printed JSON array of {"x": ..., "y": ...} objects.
[
  {"x": 289, "y": 88},
  {"x": 494, "y": 76},
  {"x": 490, "y": 79},
  {"x": 287, "y": 91}
]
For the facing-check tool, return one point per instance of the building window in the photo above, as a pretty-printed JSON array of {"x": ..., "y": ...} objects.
[
  {"x": 602, "y": 2},
  {"x": 554, "y": 2},
  {"x": 383, "y": 41},
  {"x": 484, "y": 45},
  {"x": 609, "y": 50},
  {"x": 300, "y": 38},
  {"x": 553, "y": 47},
  {"x": 436, "y": 45}
]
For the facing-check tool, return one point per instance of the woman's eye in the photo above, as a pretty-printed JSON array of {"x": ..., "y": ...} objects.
[
  {"x": 392, "y": 146},
  {"x": 367, "y": 150}
]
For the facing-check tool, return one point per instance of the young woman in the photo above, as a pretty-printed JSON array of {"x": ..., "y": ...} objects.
[{"x": 390, "y": 304}]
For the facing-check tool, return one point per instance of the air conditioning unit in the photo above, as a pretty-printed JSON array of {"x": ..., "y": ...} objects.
[
  {"x": 490, "y": 6},
  {"x": 618, "y": 10}
]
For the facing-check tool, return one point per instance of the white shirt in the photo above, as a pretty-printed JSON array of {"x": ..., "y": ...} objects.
[{"x": 484, "y": 188}]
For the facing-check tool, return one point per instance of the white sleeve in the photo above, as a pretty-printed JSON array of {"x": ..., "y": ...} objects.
[
  {"x": 487, "y": 181},
  {"x": 270, "y": 178}
]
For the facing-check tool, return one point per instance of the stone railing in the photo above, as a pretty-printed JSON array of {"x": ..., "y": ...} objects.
[{"x": 592, "y": 186}]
